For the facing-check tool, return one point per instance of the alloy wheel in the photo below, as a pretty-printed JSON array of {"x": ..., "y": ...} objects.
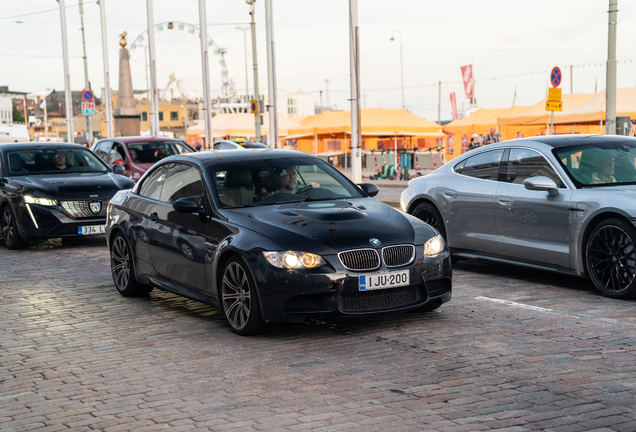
[
  {"x": 120, "y": 263},
  {"x": 612, "y": 259},
  {"x": 236, "y": 294},
  {"x": 7, "y": 226},
  {"x": 428, "y": 216}
]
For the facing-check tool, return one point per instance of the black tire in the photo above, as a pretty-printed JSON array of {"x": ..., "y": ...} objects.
[
  {"x": 610, "y": 258},
  {"x": 239, "y": 300},
  {"x": 123, "y": 270},
  {"x": 9, "y": 228},
  {"x": 428, "y": 213}
]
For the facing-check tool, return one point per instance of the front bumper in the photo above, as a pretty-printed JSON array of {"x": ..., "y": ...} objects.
[
  {"x": 38, "y": 221},
  {"x": 289, "y": 296}
]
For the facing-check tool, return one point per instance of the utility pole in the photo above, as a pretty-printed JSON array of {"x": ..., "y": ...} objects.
[
  {"x": 271, "y": 76},
  {"x": 207, "y": 108},
  {"x": 247, "y": 84},
  {"x": 610, "y": 88},
  {"x": 401, "y": 64},
  {"x": 571, "y": 82},
  {"x": 67, "y": 77},
  {"x": 87, "y": 84},
  {"x": 154, "y": 104},
  {"x": 148, "y": 97},
  {"x": 354, "y": 55},
  {"x": 46, "y": 120},
  {"x": 258, "y": 117},
  {"x": 108, "y": 98},
  {"x": 439, "y": 103},
  {"x": 327, "y": 91}
]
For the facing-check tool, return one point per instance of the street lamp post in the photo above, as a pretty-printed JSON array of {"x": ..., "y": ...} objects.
[
  {"x": 271, "y": 76},
  {"x": 247, "y": 85},
  {"x": 67, "y": 77},
  {"x": 185, "y": 122},
  {"x": 401, "y": 63}
]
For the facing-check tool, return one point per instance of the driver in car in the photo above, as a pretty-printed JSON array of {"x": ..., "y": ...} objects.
[
  {"x": 60, "y": 161},
  {"x": 288, "y": 181}
]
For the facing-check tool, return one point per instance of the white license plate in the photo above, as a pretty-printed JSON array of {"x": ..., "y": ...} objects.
[
  {"x": 91, "y": 230},
  {"x": 384, "y": 280}
]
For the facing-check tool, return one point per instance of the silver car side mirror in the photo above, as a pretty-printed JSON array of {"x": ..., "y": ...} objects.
[{"x": 541, "y": 183}]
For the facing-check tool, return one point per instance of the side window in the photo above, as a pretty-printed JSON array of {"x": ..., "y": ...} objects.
[
  {"x": 526, "y": 163},
  {"x": 182, "y": 181},
  {"x": 224, "y": 146},
  {"x": 117, "y": 155},
  {"x": 484, "y": 166},
  {"x": 103, "y": 150},
  {"x": 460, "y": 166},
  {"x": 152, "y": 185}
]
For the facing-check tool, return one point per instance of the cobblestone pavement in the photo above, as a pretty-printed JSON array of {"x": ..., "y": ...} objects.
[{"x": 514, "y": 350}]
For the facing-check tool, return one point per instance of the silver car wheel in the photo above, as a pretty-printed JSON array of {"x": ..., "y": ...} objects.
[
  {"x": 612, "y": 259},
  {"x": 236, "y": 296},
  {"x": 120, "y": 263}
]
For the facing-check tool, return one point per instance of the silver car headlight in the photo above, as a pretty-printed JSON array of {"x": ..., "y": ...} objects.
[
  {"x": 29, "y": 199},
  {"x": 294, "y": 260},
  {"x": 434, "y": 246}
]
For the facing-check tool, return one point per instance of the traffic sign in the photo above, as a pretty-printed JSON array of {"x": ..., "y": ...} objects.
[
  {"x": 253, "y": 106},
  {"x": 554, "y": 95},
  {"x": 87, "y": 95},
  {"x": 555, "y": 77},
  {"x": 553, "y": 106},
  {"x": 88, "y": 108}
]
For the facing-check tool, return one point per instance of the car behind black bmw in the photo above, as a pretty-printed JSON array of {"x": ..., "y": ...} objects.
[
  {"x": 53, "y": 190},
  {"x": 272, "y": 236}
]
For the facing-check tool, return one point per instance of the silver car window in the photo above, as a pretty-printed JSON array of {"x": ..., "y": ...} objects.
[
  {"x": 525, "y": 163},
  {"x": 484, "y": 165}
]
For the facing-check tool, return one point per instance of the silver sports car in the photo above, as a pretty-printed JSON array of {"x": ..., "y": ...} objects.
[{"x": 562, "y": 203}]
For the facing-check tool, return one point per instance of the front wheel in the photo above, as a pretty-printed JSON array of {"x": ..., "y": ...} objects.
[
  {"x": 9, "y": 227},
  {"x": 611, "y": 259},
  {"x": 121, "y": 264},
  {"x": 240, "y": 300},
  {"x": 429, "y": 214}
]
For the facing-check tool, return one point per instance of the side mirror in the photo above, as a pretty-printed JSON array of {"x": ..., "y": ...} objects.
[
  {"x": 118, "y": 169},
  {"x": 541, "y": 183},
  {"x": 369, "y": 189},
  {"x": 188, "y": 205}
]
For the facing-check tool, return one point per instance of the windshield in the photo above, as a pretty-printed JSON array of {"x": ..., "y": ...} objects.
[
  {"x": 600, "y": 164},
  {"x": 53, "y": 160},
  {"x": 153, "y": 151},
  {"x": 276, "y": 181}
]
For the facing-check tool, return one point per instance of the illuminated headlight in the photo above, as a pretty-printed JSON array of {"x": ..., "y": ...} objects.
[
  {"x": 434, "y": 246},
  {"x": 40, "y": 201},
  {"x": 294, "y": 260}
]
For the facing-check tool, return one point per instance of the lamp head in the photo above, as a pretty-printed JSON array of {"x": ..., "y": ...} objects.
[{"x": 392, "y": 38}]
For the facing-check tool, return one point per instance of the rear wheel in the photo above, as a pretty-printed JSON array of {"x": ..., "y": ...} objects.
[
  {"x": 240, "y": 300},
  {"x": 121, "y": 265},
  {"x": 9, "y": 227},
  {"x": 611, "y": 259}
]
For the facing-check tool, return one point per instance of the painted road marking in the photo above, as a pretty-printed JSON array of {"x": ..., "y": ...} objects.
[{"x": 515, "y": 304}]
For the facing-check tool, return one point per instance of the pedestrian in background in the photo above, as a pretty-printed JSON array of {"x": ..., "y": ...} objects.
[
  {"x": 474, "y": 142},
  {"x": 492, "y": 137}
]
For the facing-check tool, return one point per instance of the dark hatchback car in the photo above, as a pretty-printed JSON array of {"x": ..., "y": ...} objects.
[
  {"x": 53, "y": 190},
  {"x": 138, "y": 154},
  {"x": 272, "y": 236}
]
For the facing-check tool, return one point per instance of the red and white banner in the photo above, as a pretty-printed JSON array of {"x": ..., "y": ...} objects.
[
  {"x": 469, "y": 81},
  {"x": 454, "y": 105}
]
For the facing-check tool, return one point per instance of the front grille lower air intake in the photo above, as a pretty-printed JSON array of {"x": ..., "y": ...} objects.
[{"x": 360, "y": 259}]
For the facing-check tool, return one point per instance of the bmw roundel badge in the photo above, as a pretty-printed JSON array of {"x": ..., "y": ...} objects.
[{"x": 375, "y": 242}]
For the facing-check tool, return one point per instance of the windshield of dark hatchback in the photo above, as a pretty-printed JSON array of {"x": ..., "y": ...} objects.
[
  {"x": 53, "y": 161},
  {"x": 276, "y": 181},
  {"x": 600, "y": 164},
  {"x": 154, "y": 151}
]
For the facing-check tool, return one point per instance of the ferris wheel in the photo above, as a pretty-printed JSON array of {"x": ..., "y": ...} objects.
[{"x": 178, "y": 57}]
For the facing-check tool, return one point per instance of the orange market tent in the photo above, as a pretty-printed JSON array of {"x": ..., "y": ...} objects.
[
  {"x": 535, "y": 120},
  {"x": 380, "y": 127},
  {"x": 593, "y": 111},
  {"x": 479, "y": 122}
]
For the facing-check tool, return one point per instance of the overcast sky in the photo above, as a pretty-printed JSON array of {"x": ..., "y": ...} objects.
[{"x": 500, "y": 37}]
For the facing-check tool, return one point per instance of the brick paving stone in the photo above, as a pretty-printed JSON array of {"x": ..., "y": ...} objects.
[{"x": 76, "y": 355}]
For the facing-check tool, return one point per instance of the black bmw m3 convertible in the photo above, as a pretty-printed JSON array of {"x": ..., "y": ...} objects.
[
  {"x": 53, "y": 190},
  {"x": 272, "y": 236}
]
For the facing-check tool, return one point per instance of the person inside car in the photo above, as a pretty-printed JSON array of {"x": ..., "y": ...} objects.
[
  {"x": 59, "y": 163},
  {"x": 288, "y": 180}
]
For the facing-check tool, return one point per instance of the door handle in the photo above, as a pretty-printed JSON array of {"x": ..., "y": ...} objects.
[
  {"x": 450, "y": 194},
  {"x": 504, "y": 201},
  {"x": 153, "y": 216}
]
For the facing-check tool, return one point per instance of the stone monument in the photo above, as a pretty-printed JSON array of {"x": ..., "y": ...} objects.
[{"x": 127, "y": 121}]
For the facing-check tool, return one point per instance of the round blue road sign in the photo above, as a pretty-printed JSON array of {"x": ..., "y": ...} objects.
[
  {"x": 87, "y": 95},
  {"x": 555, "y": 77}
]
